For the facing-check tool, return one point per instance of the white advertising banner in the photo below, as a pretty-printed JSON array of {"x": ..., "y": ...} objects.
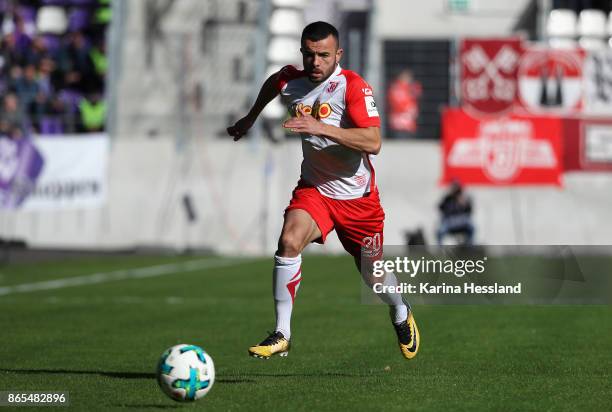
[
  {"x": 598, "y": 83},
  {"x": 54, "y": 172}
]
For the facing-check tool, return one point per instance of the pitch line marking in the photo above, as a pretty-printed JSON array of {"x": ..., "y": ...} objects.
[{"x": 122, "y": 274}]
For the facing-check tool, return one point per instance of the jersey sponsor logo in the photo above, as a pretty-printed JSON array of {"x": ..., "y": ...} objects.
[
  {"x": 294, "y": 109},
  {"x": 332, "y": 86},
  {"x": 371, "y": 106},
  {"x": 321, "y": 111},
  {"x": 367, "y": 91},
  {"x": 324, "y": 111}
]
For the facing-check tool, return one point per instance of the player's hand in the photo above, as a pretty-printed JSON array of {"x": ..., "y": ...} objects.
[
  {"x": 304, "y": 124},
  {"x": 240, "y": 128}
]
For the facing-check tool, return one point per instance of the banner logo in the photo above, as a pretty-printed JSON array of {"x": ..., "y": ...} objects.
[
  {"x": 489, "y": 68},
  {"x": 502, "y": 149}
]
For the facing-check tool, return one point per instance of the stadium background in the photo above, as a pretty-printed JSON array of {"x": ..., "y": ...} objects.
[
  {"x": 163, "y": 178},
  {"x": 179, "y": 72}
]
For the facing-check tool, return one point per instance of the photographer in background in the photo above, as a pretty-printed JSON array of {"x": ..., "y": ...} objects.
[{"x": 456, "y": 215}]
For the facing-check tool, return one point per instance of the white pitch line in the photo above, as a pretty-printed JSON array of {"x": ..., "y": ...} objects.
[{"x": 138, "y": 273}]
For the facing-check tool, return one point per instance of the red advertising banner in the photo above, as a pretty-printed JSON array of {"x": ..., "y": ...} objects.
[
  {"x": 550, "y": 80},
  {"x": 507, "y": 150},
  {"x": 489, "y": 70},
  {"x": 588, "y": 144}
]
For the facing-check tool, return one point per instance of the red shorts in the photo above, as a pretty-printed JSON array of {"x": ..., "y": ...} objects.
[{"x": 358, "y": 222}]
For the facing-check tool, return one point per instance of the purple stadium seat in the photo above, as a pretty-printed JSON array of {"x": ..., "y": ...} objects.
[
  {"x": 83, "y": 2},
  {"x": 56, "y": 2},
  {"x": 28, "y": 14},
  {"x": 78, "y": 19},
  {"x": 52, "y": 42}
]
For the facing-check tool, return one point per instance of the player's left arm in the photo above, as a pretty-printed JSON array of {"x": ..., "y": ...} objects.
[{"x": 364, "y": 139}]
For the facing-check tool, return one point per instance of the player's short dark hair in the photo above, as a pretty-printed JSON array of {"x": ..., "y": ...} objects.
[{"x": 319, "y": 30}]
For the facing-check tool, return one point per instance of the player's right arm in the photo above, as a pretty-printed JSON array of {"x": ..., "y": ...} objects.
[
  {"x": 270, "y": 89},
  {"x": 268, "y": 92}
]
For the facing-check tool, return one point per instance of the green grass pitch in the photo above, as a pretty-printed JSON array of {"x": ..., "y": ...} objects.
[{"x": 101, "y": 343}]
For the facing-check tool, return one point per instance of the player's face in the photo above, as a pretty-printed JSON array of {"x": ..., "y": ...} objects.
[{"x": 320, "y": 58}]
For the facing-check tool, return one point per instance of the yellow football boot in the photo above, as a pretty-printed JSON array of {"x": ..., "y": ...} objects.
[
  {"x": 275, "y": 344},
  {"x": 408, "y": 337}
]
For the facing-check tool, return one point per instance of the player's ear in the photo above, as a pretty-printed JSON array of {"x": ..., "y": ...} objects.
[{"x": 339, "y": 53}]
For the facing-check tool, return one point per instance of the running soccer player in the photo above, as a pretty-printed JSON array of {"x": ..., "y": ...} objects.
[{"x": 334, "y": 111}]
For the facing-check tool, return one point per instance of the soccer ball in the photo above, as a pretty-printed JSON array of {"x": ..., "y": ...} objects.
[{"x": 185, "y": 373}]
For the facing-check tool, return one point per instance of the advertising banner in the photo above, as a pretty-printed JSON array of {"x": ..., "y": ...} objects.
[
  {"x": 20, "y": 165},
  {"x": 550, "y": 80},
  {"x": 489, "y": 70},
  {"x": 588, "y": 144},
  {"x": 53, "y": 173},
  {"x": 598, "y": 83},
  {"x": 508, "y": 150}
]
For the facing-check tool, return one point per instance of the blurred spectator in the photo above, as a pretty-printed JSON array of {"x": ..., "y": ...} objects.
[
  {"x": 10, "y": 130},
  {"x": 11, "y": 54},
  {"x": 48, "y": 80},
  {"x": 43, "y": 77},
  {"x": 4, "y": 128},
  {"x": 11, "y": 115},
  {"x": 26, "y": 88},
  {"x": 93, "y": 113},
  {"x": 456, "y": 215},
  {"x": 51, "y": 122},
  {"x": 36, "y": 52},
  {"x": 14, "y": 77},
  {"x": 15, "y": 131},
  {"x": 77, "y": 64},
  {"x": 103, "y": 13},
  {"x": 403, "y": 94},
  {"x": 22, "y": 38}
]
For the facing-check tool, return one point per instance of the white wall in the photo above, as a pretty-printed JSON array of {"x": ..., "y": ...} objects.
[
  {"x": 403, "y": 19},
  {"x": 226, "y": 180}
]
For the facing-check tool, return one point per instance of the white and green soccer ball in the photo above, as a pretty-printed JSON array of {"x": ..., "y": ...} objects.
[{"x": 185, "y": 372}]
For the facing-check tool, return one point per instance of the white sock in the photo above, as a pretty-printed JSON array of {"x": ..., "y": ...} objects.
[
  {"x": 398, "y": 308},
  {"x": 287, "y": 278}
]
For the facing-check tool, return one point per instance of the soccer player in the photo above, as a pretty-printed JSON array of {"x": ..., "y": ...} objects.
[{"x": 334, "y": 111}]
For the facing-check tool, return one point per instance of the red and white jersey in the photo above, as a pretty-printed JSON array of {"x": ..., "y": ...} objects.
[{"x": 343, "y": 100}]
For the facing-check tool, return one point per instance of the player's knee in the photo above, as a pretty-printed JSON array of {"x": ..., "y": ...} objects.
[
  {"x": 371, "y": 280},
  {"x": 290, "y": 245},
  {"x": 367, "y": 273}
]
